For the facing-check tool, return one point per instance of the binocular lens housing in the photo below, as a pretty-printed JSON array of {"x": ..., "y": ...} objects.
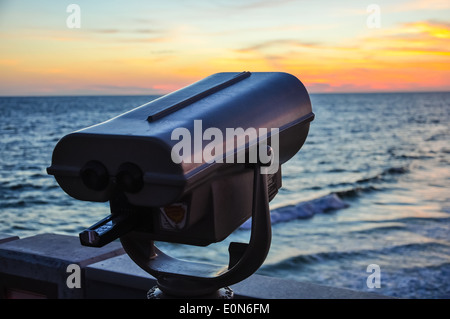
[
  {"x": 129, "y": 178},
  {"x": 94, "y": 175}
]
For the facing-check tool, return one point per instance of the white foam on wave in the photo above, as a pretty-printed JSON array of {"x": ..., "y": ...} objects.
[{"x": 303, "y": 210}]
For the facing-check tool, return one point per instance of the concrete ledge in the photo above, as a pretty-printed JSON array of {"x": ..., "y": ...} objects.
[
  {"x": 117, "y": 277},
  {"x": 36, "y": 267},
  {"x": 4, "y": 238},
  {"x": 263, "y": 287},
  {"x": 120, "y": 277}
]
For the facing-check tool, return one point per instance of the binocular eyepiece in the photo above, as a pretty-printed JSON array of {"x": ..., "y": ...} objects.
[{"x": 95, "y": 176}]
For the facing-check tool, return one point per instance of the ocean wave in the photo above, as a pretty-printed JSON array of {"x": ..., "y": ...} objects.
[
  {"x": 21, "y": 203},
  {"x": 365, "y": 184},
  {"x": 13, "y": 187},
  {"x": 326, "y": 256},
  {"x": 378, "y": 227},
  {"x": 331, "y": 202},
  {"x": 23, "y": 186},
  {"x": 438, "y": 137},
  {"x": 386, "y": 173},
  {"x": 304, "y": 210},
  {"x": 355, "y": 191},
  {"x": 413, "y": 156}
]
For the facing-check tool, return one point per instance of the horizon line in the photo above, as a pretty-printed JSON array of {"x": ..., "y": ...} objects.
[{"x": 162, "y": 94}]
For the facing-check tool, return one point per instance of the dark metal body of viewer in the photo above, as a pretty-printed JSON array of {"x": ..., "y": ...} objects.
[{"x": 128, "y": 162}]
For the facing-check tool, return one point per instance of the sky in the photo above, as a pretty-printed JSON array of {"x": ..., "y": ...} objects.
[{"x": 154, "y": 47}]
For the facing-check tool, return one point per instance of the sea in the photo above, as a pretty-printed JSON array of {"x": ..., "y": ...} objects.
[{"x": 365, "y": 204}]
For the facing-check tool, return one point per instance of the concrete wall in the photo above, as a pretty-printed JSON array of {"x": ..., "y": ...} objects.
[{"x": 37, "y": 267}]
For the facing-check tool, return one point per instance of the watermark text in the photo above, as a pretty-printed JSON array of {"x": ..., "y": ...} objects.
[
  {"x": 235, "y": 146},
  {"x": 374, "y": 279}
]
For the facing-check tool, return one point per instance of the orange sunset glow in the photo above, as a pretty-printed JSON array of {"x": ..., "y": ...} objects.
[{"x": 137, "y": 47}]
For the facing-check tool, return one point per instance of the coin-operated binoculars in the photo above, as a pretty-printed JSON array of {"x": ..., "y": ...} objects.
[{"x": 190, "y": 167}]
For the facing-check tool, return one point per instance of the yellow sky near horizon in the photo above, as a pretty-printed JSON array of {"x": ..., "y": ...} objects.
[{"x": 154, "y": 48}]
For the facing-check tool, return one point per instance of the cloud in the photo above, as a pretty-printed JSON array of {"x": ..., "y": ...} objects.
[
  {"x": 277, "y": 44},
  {"x": 104, "y": 31},
  {"x": 419, "y": 5},
  {"x": 125, "y": 89},
  {"x": 146, "y": 40},
  {"x": 386, "y": 59},
  {"x": 239, "y": 5},
  {"x": 262, "y": 4},
  {"x": 126, "y": 32},
  {"x": 420, "y": 36}
]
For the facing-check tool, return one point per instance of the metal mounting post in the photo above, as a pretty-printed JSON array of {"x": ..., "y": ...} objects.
[{"x": 179, "y": 278}]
